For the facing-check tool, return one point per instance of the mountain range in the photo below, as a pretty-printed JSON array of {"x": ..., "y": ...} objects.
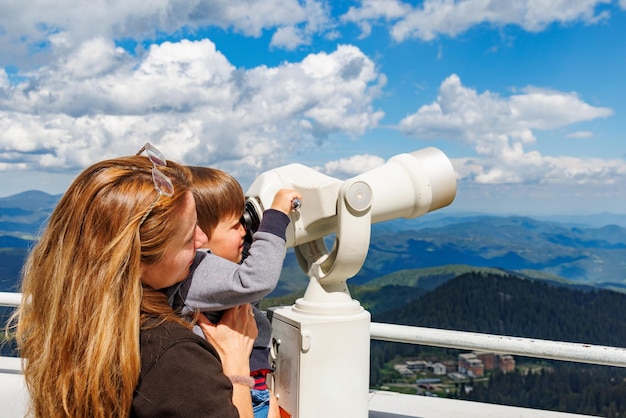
[
  {"x": 584, "y": 251},
  {"x": 568, "y": 252},
  {"x": 560, "y": 278}
]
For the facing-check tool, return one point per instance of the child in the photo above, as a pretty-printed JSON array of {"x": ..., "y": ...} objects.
[{"x": 220, "y": 279}]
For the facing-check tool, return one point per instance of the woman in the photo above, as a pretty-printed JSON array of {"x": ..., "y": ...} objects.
[{"x": 93, "y": 284}]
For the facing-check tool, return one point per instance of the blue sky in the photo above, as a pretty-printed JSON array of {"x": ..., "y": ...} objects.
[{"x": 526, "y": 98}]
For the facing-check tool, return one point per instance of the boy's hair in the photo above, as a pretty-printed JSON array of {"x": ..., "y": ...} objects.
[{"x": 217, "y": 194}]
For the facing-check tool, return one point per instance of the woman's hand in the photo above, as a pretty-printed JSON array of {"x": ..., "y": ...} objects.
[
  {"x": 233, "y": 338},
  {"x": 274, "y": 411}
]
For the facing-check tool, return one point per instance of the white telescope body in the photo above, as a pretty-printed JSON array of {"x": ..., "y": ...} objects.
[
  {"x": 407, "y": 186},
  {"x": 324, "y": 336}
]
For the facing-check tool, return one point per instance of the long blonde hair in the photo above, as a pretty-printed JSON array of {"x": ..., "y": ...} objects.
[
  {"x": 83, "y": 301},
  {"x": 217, "y": 195}
]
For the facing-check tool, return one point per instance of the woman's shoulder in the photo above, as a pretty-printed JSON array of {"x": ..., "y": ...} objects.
[
  {"x": 181, "y": 375},
  {"x": 156, "y": 338}
]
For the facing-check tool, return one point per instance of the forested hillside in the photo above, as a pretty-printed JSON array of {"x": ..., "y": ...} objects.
[
  {"x": 565, "y": 387},
  {"x": 509, "y": 305}
]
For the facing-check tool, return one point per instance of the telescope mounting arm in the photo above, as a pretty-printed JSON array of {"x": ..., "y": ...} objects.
[{"x": 329, "y": 271}]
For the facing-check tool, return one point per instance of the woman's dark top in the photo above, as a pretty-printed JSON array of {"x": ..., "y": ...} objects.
[{"x": 181, "y": 376}]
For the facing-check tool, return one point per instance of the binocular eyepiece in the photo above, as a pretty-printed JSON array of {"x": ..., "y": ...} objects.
[
  {"x": 250, "y": 221},
  {"x": 250, "y": 218}
]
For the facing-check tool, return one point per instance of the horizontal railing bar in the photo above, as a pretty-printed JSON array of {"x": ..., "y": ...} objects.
[
  {"x": 10, "y": 299},
  {"x": 526, "y": 347}
]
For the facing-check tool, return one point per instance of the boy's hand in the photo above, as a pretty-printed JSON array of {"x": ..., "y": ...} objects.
[{"x": 283, "y": 200}]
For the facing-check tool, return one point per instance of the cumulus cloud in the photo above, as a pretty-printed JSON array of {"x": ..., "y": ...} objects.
[
  {"x": 345, "y": 168},
  {"x": 77, "y": 97},
  {"x": 500, "y": 128},
  {"x": 187, "y": 99},
  {"x": 375, "y": 10},
  {"x": 42, "y": 29},
  {"x": 445, "y": 17},
  {"x": 301, "y": 33}
]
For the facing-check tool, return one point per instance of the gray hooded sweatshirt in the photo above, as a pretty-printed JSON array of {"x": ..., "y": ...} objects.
[{"x": 215, "y": 284}]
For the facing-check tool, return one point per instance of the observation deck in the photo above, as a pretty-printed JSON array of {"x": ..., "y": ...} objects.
[{"x": 14, "y": 397}]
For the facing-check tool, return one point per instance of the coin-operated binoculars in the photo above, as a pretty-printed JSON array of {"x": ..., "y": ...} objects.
[{"x": 320, "y": 345}]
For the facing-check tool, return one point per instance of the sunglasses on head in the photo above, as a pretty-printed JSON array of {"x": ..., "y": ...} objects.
[{"x": 162, "y": 184}]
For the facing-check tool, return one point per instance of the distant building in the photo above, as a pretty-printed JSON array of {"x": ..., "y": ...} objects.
[
  {"x": 438, "y": 369},
  {"x": 490, "y": 360},
  {"x": 507, "y": 363},
  {"x": 457, "y": 376},
  {"x": 471, "y": 365},
  {"x": 411, "y": 366},
  {"x": 474, "y": 364},
  {"x": 403, "y": 370},
  {"x": 417, "y": 364},
  {"x": 451, "y": 365}
]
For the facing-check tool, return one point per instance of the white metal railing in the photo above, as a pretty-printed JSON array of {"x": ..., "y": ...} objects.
[
  {"x": 528, "y": 347},
  {"x": 10, "y": 299},
  {"x": 386, "y": 405}
]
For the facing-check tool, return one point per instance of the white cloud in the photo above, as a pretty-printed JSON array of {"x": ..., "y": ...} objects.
[
  {"x": 375, "y": 10},
  {"x": 345, "y": 168},
  {"x": 288, "y": 37},
  {"x": 317, "y": 21},
  {"x": 500, "y": 128},
  {"x": 188, "y": 100},
  {"x": 445, "y": 17},
  {"x": 462, "y": 113},
  {"x": 56, "y": 28},
  {"x": 78, "y": 98}
]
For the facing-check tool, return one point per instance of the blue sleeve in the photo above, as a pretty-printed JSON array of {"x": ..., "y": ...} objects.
[{"x": 275, "y": 222}]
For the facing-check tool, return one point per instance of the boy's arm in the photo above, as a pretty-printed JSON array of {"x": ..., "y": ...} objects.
[{"x": 217, "y": 283}]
